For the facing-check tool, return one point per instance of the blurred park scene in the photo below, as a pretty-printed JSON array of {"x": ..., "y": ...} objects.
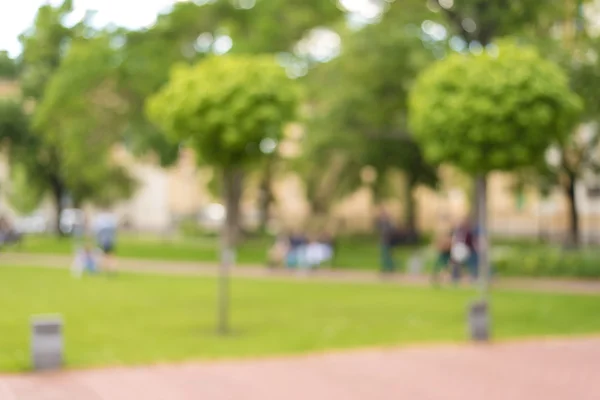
[{"x": 247, "y": 178}]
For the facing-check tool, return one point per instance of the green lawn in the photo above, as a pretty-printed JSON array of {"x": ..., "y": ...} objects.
[
  {"x": 132, "y": 319},
  {"x": 353, "y": 253},
  {"x": 197, "y": 249},
  {"x": 509, "y": 259}
]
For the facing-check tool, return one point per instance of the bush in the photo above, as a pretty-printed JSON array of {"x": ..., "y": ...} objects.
[{"x": 546, "y": 262}]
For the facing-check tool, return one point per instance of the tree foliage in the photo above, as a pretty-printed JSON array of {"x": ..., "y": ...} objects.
[
  {"x": 492, "y": 111},
  {"x": 483, "y": 21},
  {"x": 577, "y": 155},
  {"x": 223, "y": 108},
  {"x": 21, "y": 194},
  {"x": 359, "y": 103},
  {"x": 82, "y": 114},
  {"x": 44, "y": 45},
  {"x": 25, "y": 190},
  {"x": 9, "y": 68},
  {"x": 188, "y": 33},
  {"x": 68, "y": 84},
  {"x": 14, "y": 123}
]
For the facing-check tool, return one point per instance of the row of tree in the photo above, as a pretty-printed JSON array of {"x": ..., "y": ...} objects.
[
  {"x": 363, "y": 93},
  {"x": 85, "y": 91}
]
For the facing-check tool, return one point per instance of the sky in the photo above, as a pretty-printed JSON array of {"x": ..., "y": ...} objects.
[{"x": 16, "y": 16}]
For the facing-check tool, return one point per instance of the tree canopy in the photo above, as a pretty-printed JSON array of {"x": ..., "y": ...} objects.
[
  {"x": 497, "y": 110},
  {"x": 9, "y": 68},
  {"x": 68, "y": 86},
  {"x": 359, "y": 112},
  {"x": 224, "y": 107},
  {"x": 82, "y": 114}
]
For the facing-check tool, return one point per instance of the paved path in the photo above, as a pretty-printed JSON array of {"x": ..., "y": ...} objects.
[
  {"x": 552, "y": 370},
  {"x": 260, "y": 272}
]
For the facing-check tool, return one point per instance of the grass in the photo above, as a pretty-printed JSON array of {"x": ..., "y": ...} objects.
[
  {"x": 353, "y": 253},
  {"x": 200, "y": 249},
  {"x": 139, "y": 319},
  {"x": 509, "y": 259}
]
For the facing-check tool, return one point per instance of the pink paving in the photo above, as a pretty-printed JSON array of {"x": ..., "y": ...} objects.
[{"x": 548, "y": 370}]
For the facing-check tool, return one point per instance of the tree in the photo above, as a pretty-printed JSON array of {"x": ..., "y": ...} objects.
[
  {"x": 476, "y": 24},
  {"x": 328, "y": 169},
  {"x": 360, "y": 107},
  {"x": 15, "y": 135},
  {"x": 188, "y": 33},
  {"x": 43, "y": 46},
  {"x": 77, "y": 114},
  {"x": 14, "y": 123},
  {"x": 29, "y": 179},
  {"x": 83, "y": 115},
  {"x": 224, "y": 108},
  {"x": 483, "y": 21},
  {"x": 494, "y": 111},
  {"x": 9, "y": 68},
  {"x": 271, "y": 26},
  {"x": 574, "y": 159}
]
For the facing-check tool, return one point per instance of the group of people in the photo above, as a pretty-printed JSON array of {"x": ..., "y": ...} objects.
[
  {"x": 99, "y": 256},
  {"x": 457, "y": 249},
  {"x": 300, "y": 251}
]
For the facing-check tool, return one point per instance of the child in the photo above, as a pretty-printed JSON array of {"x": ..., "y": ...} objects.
[
  {"x": 317, "y": 253},
  {"x": 86, "y": 260}
]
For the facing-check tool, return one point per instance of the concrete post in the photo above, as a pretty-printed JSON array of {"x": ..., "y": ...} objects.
[
  {"x": 47, "y": 342},
  {"x": 479, "y": 321}
]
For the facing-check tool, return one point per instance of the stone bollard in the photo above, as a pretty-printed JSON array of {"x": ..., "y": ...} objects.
[
  {"x": 415, "y": 265},
  {"x": 46, "y": 342},
  {"x": 479, "y": 321}
]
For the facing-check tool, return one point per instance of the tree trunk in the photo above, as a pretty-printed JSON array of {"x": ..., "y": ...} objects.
[
  {"x": 232, "y": 193},
  {"x": 58, "y": 193},
  {"x": 483, "y": 240},
  {"x": 570, "y": 192}
]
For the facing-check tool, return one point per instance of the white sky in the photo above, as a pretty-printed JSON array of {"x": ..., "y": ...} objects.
[{"x": 16, "y": 16}]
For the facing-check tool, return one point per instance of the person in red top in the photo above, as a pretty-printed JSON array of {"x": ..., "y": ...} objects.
[
  {"x": 467, "y": 235},
  {"x": 386, "y": 230}
]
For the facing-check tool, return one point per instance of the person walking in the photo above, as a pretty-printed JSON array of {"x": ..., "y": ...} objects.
[
  {"x": 464, "y": 250},
  {"x": 385, "y": 228},
  {"x": 105, "y": 229}
]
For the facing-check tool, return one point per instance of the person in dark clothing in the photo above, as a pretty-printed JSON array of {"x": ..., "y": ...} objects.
[
  {"x": 466, "y": 235},
  {"x": 296, "y": 249},
  {"x": 386, "y": 230}
]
